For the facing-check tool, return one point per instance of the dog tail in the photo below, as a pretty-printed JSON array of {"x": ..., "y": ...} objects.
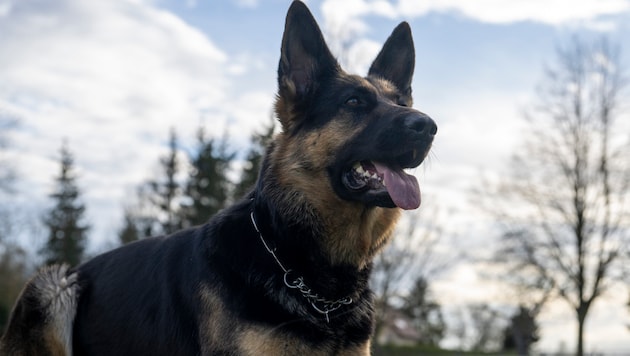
[{"x": 41, "y": 321}]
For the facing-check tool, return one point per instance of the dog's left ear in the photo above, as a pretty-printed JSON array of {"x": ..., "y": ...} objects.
[
  {"x": 397, "y": 59},
  {"x": 305, "y": 58}
]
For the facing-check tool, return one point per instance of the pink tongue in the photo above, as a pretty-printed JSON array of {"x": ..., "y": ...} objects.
[{"x": 402, "y": 187}]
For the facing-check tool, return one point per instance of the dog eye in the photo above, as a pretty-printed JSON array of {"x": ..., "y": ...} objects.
[{"x": 353, "y": 101}]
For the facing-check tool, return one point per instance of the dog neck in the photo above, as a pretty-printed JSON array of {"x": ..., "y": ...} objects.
[
  {"x": 298, "y": 246},
  {"x": 347, "y": 232},
  {"x": 318, "y": 303}
]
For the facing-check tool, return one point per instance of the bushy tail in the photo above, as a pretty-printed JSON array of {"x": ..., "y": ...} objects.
[{"x": 41, "y": 321}]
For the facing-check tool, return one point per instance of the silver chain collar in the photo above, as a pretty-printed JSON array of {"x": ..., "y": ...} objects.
[{"x": 320, "y": 304}]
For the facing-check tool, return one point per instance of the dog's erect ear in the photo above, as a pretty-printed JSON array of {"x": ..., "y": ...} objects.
[
  {"x": 397, "y": 59},
  {"x": 304, "y": 58}
]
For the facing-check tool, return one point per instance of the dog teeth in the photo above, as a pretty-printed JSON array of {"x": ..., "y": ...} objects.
[
  {"x": 366, "y": 175},
  {"x": 359, "y": 169},
  {"x": 362, "y": 172}
]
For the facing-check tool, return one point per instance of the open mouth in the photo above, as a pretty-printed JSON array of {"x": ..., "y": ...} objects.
[{"x": 386, "y": 178}]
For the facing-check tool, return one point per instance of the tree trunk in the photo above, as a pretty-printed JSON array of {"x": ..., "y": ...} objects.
[{"x": 581, "y": 316}]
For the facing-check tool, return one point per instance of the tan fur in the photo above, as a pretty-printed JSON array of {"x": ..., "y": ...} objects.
[
  {"x": 357, "y": 350},
  {"x": 222, "y": 330},
  {"x": 54, "y": 345},
  {"x": 218, "y": 326},
  {"x": 261, "y": 341},
  {"x": 307, "y": 157},
  {"x": 386, "y": 88}
]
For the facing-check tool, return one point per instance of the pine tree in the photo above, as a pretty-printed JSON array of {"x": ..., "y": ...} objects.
[
  {"x": 163, "y": 192},
  {"x": 130, "y": 231},
  {"x": 208, "y": 188},
  {"x": 249, "y": 174},
  {"x": 13, "y": 275},
  {"x": 140, "y": 219},
  {"x": 67, "y": 230},
  {"x": 425, "y": 313},
  {"x": 522, "y": 332}
]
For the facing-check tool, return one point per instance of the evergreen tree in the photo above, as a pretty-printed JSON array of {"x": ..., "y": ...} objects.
[
  {"x": 249, "y": 174},
  {"x": 13, "y": 275},
  {"x": 425, "y": 313},
  {"x": 67, "y": 230},
  {"x": 130, "y": 231},
  {"x": 521, "y": 333},
  {"x": 163, "y": 192},
  {"x": 208, "y": 188},
  {"x": 140, "y": 218}
]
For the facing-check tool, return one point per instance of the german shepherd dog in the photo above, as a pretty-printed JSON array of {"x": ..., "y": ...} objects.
[{"x": 285, "y": 270}]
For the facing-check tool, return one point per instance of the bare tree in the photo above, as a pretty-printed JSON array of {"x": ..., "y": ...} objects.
[
  {"x": 486, "y": 326},
  {"x": 478, "y": 327},
  {"x": 410, "y": 256},
  {"x": 566, "y": 199}
]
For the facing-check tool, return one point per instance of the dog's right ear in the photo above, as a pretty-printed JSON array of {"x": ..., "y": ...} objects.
[
  {"x": 395, "y": 62},
  {"x": 305, "y": 59}
]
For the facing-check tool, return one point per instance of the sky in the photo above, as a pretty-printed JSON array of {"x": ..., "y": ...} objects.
[{"x": 111, "y": 77}]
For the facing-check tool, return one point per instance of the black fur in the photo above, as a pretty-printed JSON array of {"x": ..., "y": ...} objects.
[
  {"x": 215, "y": 289},
  {"x": 142, "y": 299}
]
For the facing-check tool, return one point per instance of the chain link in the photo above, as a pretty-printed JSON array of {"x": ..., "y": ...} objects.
[{"x": 320, "y": 304}]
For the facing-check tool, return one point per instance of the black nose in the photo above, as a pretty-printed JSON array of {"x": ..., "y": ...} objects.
[{"x": 421, "y": 123}]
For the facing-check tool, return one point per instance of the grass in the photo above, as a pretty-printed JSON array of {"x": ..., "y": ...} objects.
[{"x": 391, "y": 350}]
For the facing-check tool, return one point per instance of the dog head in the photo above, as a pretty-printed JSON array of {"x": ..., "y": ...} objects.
[{"x": 356, "y": 134}]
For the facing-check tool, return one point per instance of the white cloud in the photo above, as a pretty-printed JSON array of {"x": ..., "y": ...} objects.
[
  {"x": 552, "y": 12},
  {"x": 342, "y": 22},
  {"x": 111, "y": 77},
  {"x": 359, "y": 56},
  {"x": 5, "y": 8},
  {"x": 346, "y": 29},
  {"x": 248, "y": 4},
  {"x": 343, "y": 19}
]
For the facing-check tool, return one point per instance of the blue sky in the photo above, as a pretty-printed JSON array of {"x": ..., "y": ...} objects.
[{"x": 112, "y": 76}]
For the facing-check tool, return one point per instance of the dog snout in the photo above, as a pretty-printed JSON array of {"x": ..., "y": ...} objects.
[{"x": 421, "y": 124}]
